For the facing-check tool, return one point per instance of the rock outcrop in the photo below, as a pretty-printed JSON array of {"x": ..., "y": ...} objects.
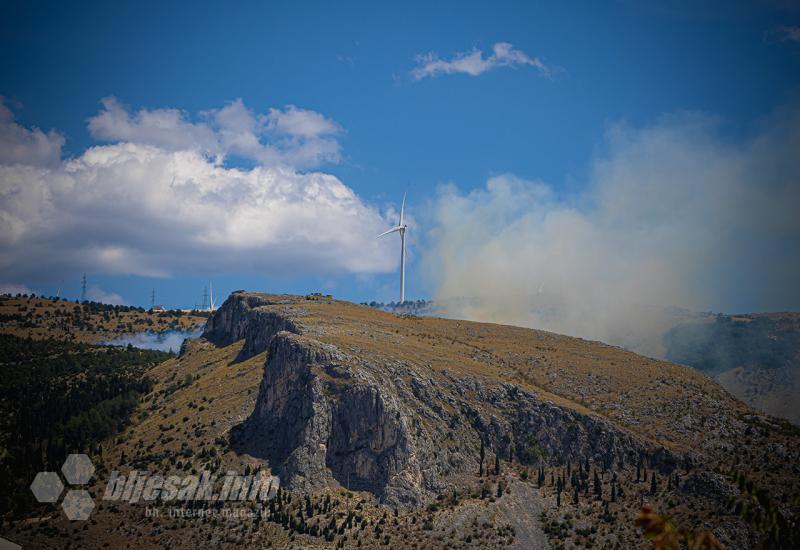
[
  {"x": 243, "y": 316},
  {"x": 392, "y": 425}
]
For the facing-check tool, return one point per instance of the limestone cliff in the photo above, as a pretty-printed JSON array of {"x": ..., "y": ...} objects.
[{"x": 391, "y": 424}]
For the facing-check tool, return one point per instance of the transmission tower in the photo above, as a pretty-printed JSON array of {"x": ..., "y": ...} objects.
[
  {"x": 83, "y": 288},
  {"x": 153, "y": 298}
]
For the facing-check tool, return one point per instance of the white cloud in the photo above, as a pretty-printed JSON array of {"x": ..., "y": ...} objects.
[
  {"x": 97, "y": 294},
  {"x": 169, "y": 129},
  {"x": 157, "y": 203},
  {"x": 474, "y": 63},
  {"x": 674, "y": 215},
  {"x": 19, "y": 145},
  {"x": 300, "y": 123},
  {"x": 291, "y": 137}
]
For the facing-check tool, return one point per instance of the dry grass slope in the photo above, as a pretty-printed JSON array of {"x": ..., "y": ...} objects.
[{"x": 183, "y": 425}]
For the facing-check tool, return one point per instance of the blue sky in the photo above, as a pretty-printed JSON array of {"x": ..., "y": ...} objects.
[{"x": 608, "y": 64}]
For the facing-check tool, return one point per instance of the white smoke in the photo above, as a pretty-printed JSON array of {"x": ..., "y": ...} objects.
[
  {"x": 170, "y": 340},
  {"x": 673, "y": 215}
]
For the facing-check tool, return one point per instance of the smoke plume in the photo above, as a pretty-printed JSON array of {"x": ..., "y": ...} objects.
[{"x": 675, "y": 215}]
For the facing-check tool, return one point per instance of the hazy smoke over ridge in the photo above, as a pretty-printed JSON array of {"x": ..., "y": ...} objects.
[
  {"x": 673, "y": 215},
  {"x": 170, "y": 340}
]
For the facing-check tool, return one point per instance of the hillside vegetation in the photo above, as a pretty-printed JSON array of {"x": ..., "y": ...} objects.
[
  {"x": 59, "y": 397},
  {"x": 409, "y": 432},
  {"x": 90, "y": 322}
]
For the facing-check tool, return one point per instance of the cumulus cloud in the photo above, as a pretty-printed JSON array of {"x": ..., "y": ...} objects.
[
  {"x": 474, "y": 63},
  {"x": 157, "y": 202},
  {"x": 19, "y": 145},
  {"x": 292, "y": 137},
  {"x": 674, "y": 215}
]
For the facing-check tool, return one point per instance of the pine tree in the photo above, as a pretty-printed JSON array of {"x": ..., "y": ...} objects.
[
  {"x": 497, "y": 465},
  {"x": 653, "y": 486},
  {"x": 575, "y": 497},
  {"x": 613, "y": 493}
]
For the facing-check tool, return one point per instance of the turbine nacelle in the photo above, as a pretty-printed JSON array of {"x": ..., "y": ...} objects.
[{"x": 400, "y": 228}]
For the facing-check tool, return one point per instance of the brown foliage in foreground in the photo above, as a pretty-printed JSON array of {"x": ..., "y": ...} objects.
[{"x": 665, "y": 535}]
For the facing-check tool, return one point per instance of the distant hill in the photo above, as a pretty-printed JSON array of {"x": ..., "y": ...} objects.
[
  {"x": 397, "y": 430},
  {"x": 754, "y": 356},
  {"x": 88, "y": 322}
]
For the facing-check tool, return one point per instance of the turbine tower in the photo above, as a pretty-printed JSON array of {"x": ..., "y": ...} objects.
[
  {"x": 211, "y": 302},
  {"x": 401, "y": 228}
]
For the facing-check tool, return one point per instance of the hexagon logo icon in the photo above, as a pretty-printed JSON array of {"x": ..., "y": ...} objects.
[
  {"x": 47, "y": 486},
  {"x": 78, "y": 469},
  {"x": 78, "y": 504}
]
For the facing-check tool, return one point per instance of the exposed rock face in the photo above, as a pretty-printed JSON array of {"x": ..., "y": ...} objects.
[
  {"x": 395, "y": 427},
  {"x": 239, "y": 317}
]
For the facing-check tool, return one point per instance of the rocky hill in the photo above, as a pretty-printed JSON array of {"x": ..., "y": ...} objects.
[
  {"x": 756, "y": 357},
  {"x": 424, "y": 432}
]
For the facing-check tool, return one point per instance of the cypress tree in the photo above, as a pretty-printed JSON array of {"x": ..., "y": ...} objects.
[
  {"x": 483, "y": 455},
  {"x": 598, "y": 487}
]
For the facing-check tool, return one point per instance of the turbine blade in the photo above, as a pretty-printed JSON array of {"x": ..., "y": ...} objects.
[
  {"x": 402, "y": 207},
  {"x": 392, "y": 230}
]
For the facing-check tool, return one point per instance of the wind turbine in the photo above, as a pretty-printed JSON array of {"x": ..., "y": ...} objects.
[
  {"x": 401, "y": 228},
  {"x": 211, "y": 304}
]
